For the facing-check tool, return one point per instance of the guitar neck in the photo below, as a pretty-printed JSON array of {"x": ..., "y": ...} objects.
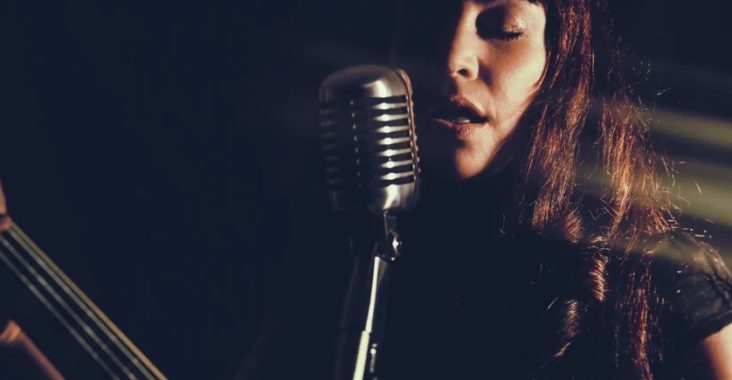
[{"x": 77, "y": 337}]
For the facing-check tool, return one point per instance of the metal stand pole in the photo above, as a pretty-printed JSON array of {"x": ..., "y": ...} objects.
[{"x": 364, "y": 309}]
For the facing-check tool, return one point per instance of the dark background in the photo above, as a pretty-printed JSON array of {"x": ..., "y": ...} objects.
[{"x": 143, "y": 142}]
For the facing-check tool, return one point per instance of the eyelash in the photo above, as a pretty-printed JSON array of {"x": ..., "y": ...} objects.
[{"x": 502, "y": 35}]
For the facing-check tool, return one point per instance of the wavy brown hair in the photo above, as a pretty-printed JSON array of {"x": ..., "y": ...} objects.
[{"x": 589, "y": 177}]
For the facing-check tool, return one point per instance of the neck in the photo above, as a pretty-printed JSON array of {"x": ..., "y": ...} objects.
[
  {"x": 52, "y": 310},
  {"x": 485, "y": 193}
]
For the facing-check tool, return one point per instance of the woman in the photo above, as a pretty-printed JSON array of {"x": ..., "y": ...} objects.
[
  {"x": 543, "y": 246},
  {"x": 535, "y": 88}
]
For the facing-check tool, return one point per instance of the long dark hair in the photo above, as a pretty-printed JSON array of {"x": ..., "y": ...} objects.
[{"x": 589, "y": 177}]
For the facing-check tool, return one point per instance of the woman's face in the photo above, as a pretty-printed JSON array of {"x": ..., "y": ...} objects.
[{"x": 476, "y": 66}]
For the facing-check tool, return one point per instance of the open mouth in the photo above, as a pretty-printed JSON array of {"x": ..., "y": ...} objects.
[{"x": 458, "y": 114}]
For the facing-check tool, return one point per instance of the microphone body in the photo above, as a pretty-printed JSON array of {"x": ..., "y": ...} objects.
[{"x": 372, "y": 175}]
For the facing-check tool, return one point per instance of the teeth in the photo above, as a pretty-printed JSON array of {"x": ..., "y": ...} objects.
[{"x": 461, "y": 120}]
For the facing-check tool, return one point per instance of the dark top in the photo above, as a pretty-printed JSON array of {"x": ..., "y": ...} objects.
[
  {"x": 695, "y": 288},
  {"x": 465, "y": 301}
]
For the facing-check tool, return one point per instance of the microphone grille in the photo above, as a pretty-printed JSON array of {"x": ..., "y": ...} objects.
[{"x": 369, "y": 140}]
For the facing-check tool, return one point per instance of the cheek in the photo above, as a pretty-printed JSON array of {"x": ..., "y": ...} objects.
[{"x": 516, "y": 77}]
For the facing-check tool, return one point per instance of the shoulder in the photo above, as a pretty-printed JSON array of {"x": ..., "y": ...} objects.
[{"x": 693, "y": 287}]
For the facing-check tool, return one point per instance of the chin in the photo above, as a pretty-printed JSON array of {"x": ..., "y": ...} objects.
[
  {"x": 461, "y": 170},
  {"x": 457, "y": 165},
  {"x": 451, "y": 158}
]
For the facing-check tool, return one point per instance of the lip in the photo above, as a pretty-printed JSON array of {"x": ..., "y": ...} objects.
[{"x": 458, "y": 129}]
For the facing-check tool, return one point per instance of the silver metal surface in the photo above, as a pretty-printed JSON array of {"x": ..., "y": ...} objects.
[{"x": 369, "y": 140}]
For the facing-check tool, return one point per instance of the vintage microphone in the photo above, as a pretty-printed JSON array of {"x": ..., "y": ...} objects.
[{"x": 372, "y": 175}]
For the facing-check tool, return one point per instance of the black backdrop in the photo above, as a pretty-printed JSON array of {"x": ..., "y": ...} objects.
[{"x": 143, "y": 141}]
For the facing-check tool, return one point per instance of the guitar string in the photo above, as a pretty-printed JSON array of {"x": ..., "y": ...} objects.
[
  {"x": 24, "y": 279},
  {"x": 116, "y": 349},
  {"x": 89, "y": 309}
]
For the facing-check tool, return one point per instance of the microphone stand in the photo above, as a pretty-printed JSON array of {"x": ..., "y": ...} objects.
[{"x": 364, "y": 310}]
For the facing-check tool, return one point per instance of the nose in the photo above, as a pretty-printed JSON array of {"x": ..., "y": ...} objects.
[{"x": 462, "y": 57}]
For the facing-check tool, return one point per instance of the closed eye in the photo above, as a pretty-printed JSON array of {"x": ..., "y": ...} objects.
[
  {"x": 493, "y": 24},
  {"x": 504, "y": 35}
]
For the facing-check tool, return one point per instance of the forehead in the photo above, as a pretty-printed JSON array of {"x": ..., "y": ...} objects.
[
  {"x": 454, "y": 2},
  {"x": 429, "y": 9},
  {"x": 437, "y": 4}
]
